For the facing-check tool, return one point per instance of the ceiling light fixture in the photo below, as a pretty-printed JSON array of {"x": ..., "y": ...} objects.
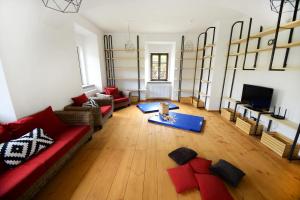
[
  {"x": 289, "y": 5},
  {"x": 64, "y": 6},
  {"x": 129, "y": 44}
]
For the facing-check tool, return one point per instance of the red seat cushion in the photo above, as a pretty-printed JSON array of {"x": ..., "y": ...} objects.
[
  {"x": 64, "y": 142},
  {"x": 200, "y": 165},
  {"x": 79, "y": 100},
  {"x": 105, "y": 109},
  {"x": 121, "y": 100},
  {"x": 114, "y": 91},
  {"x": 212, "y": 188},
  {"x": 16, "y": 181},
  {"x": 183, "y": 178}
]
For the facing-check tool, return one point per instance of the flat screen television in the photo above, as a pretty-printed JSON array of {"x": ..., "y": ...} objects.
[{"x": 258, "y": 98}]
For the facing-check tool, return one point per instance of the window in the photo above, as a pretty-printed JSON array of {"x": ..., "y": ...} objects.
[
  {"x": 83, "y": 70},
  {"x": 159, "y": 66}
]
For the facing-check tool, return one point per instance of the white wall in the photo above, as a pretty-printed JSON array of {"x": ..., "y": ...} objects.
[
  {"x": 7, "y": 111},
  {"x": 38, "y": 52}
]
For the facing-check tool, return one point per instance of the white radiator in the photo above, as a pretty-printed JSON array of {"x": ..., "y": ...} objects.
[{"x": 159, "y": 90}]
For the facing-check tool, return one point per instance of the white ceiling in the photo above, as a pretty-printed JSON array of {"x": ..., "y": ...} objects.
[{"x": 171, "y": 16}]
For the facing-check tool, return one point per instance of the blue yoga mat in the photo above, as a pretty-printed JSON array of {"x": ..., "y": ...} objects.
[
  {"x": 181, "y": 121},
  {"x": 153, "y": 107}
]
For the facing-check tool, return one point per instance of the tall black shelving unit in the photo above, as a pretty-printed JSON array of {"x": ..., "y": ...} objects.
[
  {"x": 110, "y": 66},
  {"x": 180, "y": 67}
]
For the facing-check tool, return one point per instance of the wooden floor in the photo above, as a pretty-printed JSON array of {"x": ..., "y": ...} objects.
[{"x": 128, "y": 159}]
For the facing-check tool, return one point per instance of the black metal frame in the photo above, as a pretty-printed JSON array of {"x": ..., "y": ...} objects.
[
  {"x": 246, "y": 48},
  {"x": 107, "y": 65},
  {"x": 138, "y": 65},
  {"x": 111, "y": 60},
  {"x": 210, "y": 61},
  {"x": 180, "y": 68},
  {"x": 159, "y": 63},
  {"x": 227, "y": 61},
  {"x": 277, "y": 33},
  {"x": 196, "y": 65}
]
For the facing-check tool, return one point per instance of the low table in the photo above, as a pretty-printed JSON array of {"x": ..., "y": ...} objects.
[
  {"x": 154, "y": 107},
  {"x": 181, "y": 121}
]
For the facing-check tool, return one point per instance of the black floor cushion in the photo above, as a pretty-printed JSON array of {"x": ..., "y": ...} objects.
[
  {"x": 228, "y": 172},
  {"x": 182, "y": 155}
]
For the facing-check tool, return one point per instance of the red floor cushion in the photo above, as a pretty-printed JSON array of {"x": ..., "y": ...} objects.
[
  {"x": 212, "y": 188},
  {"x": 183, "y": 178},
  {"x": 16, "y": 181},
  {"x": 105, "y": 109},
  {"x": 121, "y": 100},
  {"x": 79, "y": 100},
  {"x": 200, "y": 165}
]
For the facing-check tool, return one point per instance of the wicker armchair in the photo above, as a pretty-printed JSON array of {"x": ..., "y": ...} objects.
[{"x": 98, "y": 118}]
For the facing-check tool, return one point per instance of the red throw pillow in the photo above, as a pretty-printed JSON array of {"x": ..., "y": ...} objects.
[
  {"x": 113, "y": 91},
  {"x": 200, "y": 165},
  {"x": 183, "y": 178},
  {"x": 212, "y": 188},
  {"x": 5, "y": 136},
  {"x": 79, "y": 100},
  {"x": 20, "y": 127},
  {"x": 49, "y": 122}
]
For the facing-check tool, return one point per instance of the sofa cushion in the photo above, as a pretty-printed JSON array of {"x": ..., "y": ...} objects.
[
  {"x": 200, "y": 165},
  {"x": 79, "y": 100},
  {"x": 183, "y": 178},
  {"x": 113, "y": 91},
  {"x": 45, "y": 119},
  {"x": 182, "y": 155},
  {"x": 20, "y": 127},
  {"x": 91, "y": 103},
  {"x": 4, "y": 134},
  {"x": 228, "y": 172},
  {"x": 64, "y": 142},
  {"x": 212, "y": 188},
  {"x": 48, "y": 121},
  {"x": 17, "y": 151},
  {"x": 121, "y": 100},
  {"x": 105, "y": 110},
  {"x": 16, "y": 181}
]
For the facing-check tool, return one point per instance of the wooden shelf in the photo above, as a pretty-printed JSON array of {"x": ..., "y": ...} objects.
[
  {"x": 234, "y": 68},
  {"x": 270, "y": 31},
  {"x": 126, "y": 68},
  {"x": 127, "y": 79},
  {"x": 205, "y": 81},
  {"x": 124, "y": 58},
  {"x": 230, "y": 99},
  {"x": 136, "y": 90},
  {"x": 126, "y": 50},
  {"x": 199, "y": 49},
  {"x": 284, "y": 122},
  {"x": 184, "y": 90}
]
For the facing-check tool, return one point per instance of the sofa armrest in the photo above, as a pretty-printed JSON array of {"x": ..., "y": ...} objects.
[
  {"x": 75, "y": 117},
  {"x": 103, "y": 102},
  {"x": 76, "y": 108}
]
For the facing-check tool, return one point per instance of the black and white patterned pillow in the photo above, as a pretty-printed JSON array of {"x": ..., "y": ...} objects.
[
  {"x": 19, "y": 150},
  {"x": 90, "y": 103}
]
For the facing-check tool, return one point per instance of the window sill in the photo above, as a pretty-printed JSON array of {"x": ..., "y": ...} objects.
[{"x": 167, "y": 82}]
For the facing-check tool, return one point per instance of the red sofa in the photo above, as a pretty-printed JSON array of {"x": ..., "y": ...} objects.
[
  {"x": 120, "y": 99},
  {"x": 25, "y": 180}
]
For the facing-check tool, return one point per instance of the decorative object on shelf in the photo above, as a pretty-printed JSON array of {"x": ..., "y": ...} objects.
[
  {"x": 289, "y": 5},
  {"x": 270, "y": 42},
  {"x": 129, "y": 44},
  {"x": 278, "y": 116},
  {"x": 64, "y": 6}
]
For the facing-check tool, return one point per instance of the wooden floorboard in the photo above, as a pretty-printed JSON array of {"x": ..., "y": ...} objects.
[{"x": 128, "y": 158}]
